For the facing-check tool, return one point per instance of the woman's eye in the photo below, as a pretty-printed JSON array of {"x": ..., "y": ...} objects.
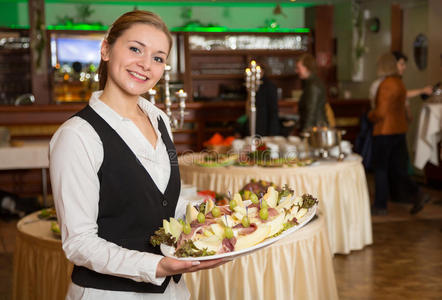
[
  {"x": 159, "y": 59},
  {"x": 135, "y": 49}
]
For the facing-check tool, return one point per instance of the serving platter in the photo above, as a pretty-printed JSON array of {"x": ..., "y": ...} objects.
[{"x": 169, "y": 250}]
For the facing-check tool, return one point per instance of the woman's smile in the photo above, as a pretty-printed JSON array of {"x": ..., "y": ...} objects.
[{"x": 138, "y": 76}]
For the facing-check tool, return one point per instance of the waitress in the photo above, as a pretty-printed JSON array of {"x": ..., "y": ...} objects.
[{"x": 115, "y": 176}]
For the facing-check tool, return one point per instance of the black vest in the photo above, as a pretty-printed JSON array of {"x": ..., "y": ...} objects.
[{"x": 131, "y": 207}]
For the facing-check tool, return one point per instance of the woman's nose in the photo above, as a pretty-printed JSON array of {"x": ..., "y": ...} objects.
[{"x": 145, "y": 63}]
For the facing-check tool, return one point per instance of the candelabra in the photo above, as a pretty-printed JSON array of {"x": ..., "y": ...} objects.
[
  {"x": 181, "y": 95},
  {"x": 253, "y": 80}
]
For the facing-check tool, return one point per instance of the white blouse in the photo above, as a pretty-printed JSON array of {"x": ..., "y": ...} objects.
[{"x": 76, "y": 154}]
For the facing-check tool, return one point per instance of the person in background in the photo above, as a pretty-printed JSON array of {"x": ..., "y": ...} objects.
[
  {"x": 267, "y": 118},
  {"x": 311, "y": 106},
  {"x": 112, "y": 177},
  {"x": 390, "y": 155},
  {"x": 401, "y": 63}
]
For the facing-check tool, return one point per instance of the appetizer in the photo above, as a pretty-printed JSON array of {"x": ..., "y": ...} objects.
[{"x": 209, "y": 229}]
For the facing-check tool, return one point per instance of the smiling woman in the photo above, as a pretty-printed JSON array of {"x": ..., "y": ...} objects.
[{"x": 115, "y": 176}]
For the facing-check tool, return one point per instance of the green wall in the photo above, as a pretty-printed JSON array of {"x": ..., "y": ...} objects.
[{"x": 233, "y": 15}]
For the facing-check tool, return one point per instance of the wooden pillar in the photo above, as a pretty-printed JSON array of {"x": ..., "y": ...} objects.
[
  {"x": 39, "y": 52},
  {"x": 396, "y": 27},
  {"x": 320, "y": 19}
]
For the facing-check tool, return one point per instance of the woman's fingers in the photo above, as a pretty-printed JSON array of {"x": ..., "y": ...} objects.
[{"x": 170, "y": 266}]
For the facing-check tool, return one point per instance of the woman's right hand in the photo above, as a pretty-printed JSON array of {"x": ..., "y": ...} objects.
[{"x": 171, "y": 266}]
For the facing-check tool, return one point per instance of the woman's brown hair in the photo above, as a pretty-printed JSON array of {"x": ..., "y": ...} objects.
[
  {"x": 309, "y": 62},
  {"x": 386, "y": 65},
  {"x": 123, "y": 23}
]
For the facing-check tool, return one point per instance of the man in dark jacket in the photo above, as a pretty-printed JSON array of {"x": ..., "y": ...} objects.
[
  {"x": 311, "y": 106},
  {"x": 267, "y": 120}
]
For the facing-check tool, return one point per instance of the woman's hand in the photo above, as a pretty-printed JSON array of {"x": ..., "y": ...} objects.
[
  {"x": 171, "y": 266},
  {"x": 428, "y": 90}
]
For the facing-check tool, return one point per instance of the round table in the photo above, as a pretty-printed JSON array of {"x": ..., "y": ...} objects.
[
  {"x": 41, "y": 270},
  {"x": 341, "y": 188},
  {"x": 298, "y": 266}
]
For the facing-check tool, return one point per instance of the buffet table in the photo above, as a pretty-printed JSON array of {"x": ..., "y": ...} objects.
[
  {"x": 41, "y": 270},
  {"x": 30, "y": 155},
  {"x": 428, "y": 135},
  {"x": 340, "y": 187},
  {"x": 296, "y": 267}
]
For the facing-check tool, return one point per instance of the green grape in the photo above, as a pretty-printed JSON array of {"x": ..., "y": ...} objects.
[
  {"x": 264, "y": 204},
  {"x": 216, "y": 212},
  {"x": 228, "y": 232},
  {"x": 254, "y": 198},
  {"x": 186, "y": 228},
  {"x": 245, "y": 221},
  {"x": 247, "y": 194},
  {"x": 263, "y": 213},
  {"x": 232, "y": 204},
  {"x": 201, "y": 217}
]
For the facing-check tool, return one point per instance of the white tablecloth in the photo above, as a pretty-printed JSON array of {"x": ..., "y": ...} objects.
[
  {"x": 31, "y": 155},
  {"x": 428, "y": 135},
  {"x": 341, "y": 188}
]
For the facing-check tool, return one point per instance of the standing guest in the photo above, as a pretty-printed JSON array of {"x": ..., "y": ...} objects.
[
  {"x": 112, "y": 177},
  {"x": 390, "y": 153},
  {"x": 311, "y": 106},
  {"x": 267, "y": 119},
  {"x": 266, "y": 102}
]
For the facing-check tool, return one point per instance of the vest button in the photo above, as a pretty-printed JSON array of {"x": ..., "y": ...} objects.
[{"x": 164, "y": 203}]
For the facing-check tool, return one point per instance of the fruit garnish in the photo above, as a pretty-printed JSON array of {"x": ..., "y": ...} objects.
[
  {"x": 216, "y": 212},
  {"x": 263, "y": 213},
  {"x": 201, "y": 218},
  {"x": 232, "y": 204},
  {"x": 254, "y": 198},
  {"x": 228, "y": 232},
  {"x": 186, "y": 228},
  {"x": 245, "y": 221}
]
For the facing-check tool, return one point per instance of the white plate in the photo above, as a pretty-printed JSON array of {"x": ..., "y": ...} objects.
[{"x": 169, "y": 250}]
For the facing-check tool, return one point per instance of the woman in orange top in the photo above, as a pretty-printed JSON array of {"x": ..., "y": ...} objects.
[{"x": 390, "y": 153}]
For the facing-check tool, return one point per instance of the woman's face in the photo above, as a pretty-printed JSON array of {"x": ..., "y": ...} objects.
[
  {"x": 302, "y": 71},
  {"x": 401, "y": 66},
  {"x": 136, "y": 60}
]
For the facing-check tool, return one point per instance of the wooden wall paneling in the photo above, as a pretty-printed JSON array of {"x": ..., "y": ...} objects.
[
  {"x": 396, "y": 27},
  {"x": 187, "y": 67}
]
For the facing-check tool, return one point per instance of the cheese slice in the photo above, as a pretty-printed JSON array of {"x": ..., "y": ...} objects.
[
  {"x": 271, "y": 196},
  {"x": 256, "y": 237},
  {"x": 212, "y": 243},
  {"x": 276, "y": 224}
]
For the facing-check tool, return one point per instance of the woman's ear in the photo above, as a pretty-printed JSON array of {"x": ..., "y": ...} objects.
[{"x": 105, "y": 50}]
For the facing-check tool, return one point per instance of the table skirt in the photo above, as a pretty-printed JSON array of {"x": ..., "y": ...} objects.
[
  {"x": 41, "y": 270},
  {"x": 296, "y": 267}
]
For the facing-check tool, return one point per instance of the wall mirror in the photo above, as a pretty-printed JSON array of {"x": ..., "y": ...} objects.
[{"x": 420, "y": 51}]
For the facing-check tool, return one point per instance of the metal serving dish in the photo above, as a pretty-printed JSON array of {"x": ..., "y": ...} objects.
[{"x": 324, "y": 138}]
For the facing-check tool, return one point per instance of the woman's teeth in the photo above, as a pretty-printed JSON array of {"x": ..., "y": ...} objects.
[{"x": 141, "y": 77}]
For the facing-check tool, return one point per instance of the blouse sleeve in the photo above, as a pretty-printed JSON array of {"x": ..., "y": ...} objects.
[{"x": 74, "y": 160}]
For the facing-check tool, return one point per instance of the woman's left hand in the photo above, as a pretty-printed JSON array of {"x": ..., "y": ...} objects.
[{"x": 171, "y": 266}]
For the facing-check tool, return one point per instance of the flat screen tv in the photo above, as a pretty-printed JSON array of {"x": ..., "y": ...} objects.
[{"x": 66, "y": 49}]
